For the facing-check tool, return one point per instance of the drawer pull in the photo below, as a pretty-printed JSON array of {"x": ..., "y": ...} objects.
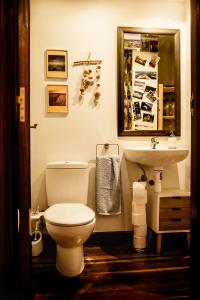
[
  {"x": 176, "y": 208},
  {"x": 175, "y": 219},
  {"x": 176, "y": 197}
]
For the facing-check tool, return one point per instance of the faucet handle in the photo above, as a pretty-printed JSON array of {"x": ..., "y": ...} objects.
[{"x": 154, "y": 140}]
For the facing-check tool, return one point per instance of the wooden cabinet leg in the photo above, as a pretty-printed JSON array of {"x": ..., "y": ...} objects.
[
  {"x": 188, "y": 238},
  {"x": 159, "y": 242}
]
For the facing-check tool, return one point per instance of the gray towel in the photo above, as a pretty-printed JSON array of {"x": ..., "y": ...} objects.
[{"x": 108, "y": 193}]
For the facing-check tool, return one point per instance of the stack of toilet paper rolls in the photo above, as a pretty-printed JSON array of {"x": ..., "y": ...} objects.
[{"x": 139, "y": 215}]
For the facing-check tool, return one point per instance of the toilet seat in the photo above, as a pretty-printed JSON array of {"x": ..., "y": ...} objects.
[{"x": 69, "y": 214}]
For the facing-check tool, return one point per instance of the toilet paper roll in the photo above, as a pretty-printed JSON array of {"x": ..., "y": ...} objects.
[
  {"x": 140, "y": 230},
  {"x": 138, "y": 209},
  {"x": 139, "y": 193},
  {"x": 138, "y": 219},
  {"x": 139, "y": 242}
]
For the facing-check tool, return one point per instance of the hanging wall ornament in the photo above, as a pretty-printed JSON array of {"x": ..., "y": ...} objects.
[
  {"x": 87, "y": 77},
  {"x": 97, "y": 93},
  {"x": 90, "y": 79},
  {"x": 86, "y": 81}
]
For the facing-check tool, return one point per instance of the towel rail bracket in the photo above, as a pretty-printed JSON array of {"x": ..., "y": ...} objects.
[{"x": 106, "y": 146}]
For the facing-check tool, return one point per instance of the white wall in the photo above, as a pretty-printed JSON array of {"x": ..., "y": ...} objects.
[{"x": 83, "y": 26}]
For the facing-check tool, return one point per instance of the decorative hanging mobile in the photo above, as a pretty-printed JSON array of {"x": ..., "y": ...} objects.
[
  {"x": 86, "y": 81},
  {"x": 97, "y": 94},
  {"x": 87, "y": 78}
]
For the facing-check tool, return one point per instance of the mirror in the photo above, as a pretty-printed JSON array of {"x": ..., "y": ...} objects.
[{"x": 148, "y": 81}]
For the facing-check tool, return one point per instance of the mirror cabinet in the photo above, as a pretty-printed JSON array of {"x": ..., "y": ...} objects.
[{"x": 148, "y": 81}]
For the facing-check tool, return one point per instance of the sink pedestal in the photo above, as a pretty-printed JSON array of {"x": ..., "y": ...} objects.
[{"x": 158, "y": 179}]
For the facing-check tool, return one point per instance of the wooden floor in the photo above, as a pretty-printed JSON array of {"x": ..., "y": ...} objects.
[{"x": 114, "y": 271}]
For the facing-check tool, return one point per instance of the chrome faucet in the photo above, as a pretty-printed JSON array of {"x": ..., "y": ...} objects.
[{"x": 154, "y": 142}]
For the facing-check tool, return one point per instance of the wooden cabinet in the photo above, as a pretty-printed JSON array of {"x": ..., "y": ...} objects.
[
  {"x": 167, "y": 212},
  {"x": 166, "y": 107}
]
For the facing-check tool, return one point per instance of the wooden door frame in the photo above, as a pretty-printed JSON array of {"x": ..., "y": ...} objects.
[
  {"x": 8, "y": 140},
  {"x": 24, "y": 183},
  {"x": 195, "y": 145},
  {"x": 15, "y": 255}
]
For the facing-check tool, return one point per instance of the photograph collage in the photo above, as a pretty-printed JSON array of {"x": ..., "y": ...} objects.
[{"x": 141, "y": 81}]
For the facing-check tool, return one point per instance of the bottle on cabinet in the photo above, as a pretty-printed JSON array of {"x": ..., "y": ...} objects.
[
  {"x": 172, "y": 140},
  {"x": 166, "y": 109},
  {"x": 171, "y": 108}
]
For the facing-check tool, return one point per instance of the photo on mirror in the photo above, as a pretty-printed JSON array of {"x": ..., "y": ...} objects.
[
  {"x": 153, "y": 45},
  {"x": 128, "y": 62},
  {"x": 145, "y": 75},
  {"x": 137, "y": 94},
  {"x": 132, "y": 41},
  {"x": 154, "y": 61},
  {"x": 148, "y": 117},
  {"x": 140, "y": 60},
  {"x": 146, "y": 106},
  {"x": 136, "y": 110},
  {"x": 151, "y": 96},
  {"x": 140, "y": 85},
  {"x": 132, "y": 44},
  {"x": 150, "y": 88},
  {"x": 145, "y": 47}
]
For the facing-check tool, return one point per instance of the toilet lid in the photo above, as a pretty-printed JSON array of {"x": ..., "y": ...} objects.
[{"x": 69, "y": 214}]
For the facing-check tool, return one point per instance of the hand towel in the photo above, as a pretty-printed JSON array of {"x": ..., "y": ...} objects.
[{"x": 108, "y": 186}]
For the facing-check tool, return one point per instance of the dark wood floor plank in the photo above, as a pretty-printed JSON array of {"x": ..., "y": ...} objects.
[{"x": 115, "y": 273}]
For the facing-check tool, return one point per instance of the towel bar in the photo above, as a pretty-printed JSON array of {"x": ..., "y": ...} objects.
[{"x": 106, "y": 147}]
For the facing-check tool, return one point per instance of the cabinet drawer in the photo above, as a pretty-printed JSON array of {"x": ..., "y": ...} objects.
[
  {"x": 173, "y": 202},
  {"x": 175, "y": 223},
  {"x": 175, "y": 212}
]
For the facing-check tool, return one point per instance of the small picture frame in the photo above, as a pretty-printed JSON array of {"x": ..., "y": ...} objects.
[
  {"x": 56, "y": 64},
  {"x": 57, "y": 98}
]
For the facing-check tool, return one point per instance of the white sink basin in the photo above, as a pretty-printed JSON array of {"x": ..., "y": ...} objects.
[{"x": 161, "y": 156}]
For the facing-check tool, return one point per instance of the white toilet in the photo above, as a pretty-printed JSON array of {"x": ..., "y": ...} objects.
[{"x": 68, "y": 220}]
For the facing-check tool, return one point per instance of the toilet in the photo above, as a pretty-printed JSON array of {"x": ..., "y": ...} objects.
[{"x": 68, "y": 219}]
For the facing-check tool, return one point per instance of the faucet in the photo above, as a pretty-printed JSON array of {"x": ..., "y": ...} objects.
[{"x": 154, "y": 142}]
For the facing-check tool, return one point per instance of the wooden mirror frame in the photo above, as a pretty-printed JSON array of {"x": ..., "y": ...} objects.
[{"x": 120, "y": 58}]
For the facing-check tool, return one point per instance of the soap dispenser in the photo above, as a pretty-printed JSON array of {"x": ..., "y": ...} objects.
[{"x": 172, "y": 140}]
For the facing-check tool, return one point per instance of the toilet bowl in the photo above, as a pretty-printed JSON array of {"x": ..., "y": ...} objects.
[
  {"x": 68, "y": 219},
  {"x": 70, "y": 225}
]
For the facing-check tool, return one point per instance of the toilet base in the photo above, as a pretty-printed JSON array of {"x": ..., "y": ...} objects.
[{"x": 70, "y": 261}]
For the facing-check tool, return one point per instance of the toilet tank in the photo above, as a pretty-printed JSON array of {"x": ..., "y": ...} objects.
[{"x": 66, "y": 182}]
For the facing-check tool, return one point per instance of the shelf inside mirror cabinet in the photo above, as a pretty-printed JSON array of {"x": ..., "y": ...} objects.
[{"x": 166, "y": 108}]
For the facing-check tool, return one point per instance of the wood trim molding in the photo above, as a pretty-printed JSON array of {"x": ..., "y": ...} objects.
[
  {"x": 15, "y": 247},
  {"x": 195, "y": 144},
  {"x": 24, "y": 187},
  {"x": 8, "y": 138}
]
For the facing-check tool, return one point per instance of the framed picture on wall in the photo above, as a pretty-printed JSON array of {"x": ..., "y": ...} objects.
[
  {"x": 57, "y": 98},
  {"x": 56, "y": 63}
]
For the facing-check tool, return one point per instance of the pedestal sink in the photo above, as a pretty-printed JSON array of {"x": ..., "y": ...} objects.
[
  {"x": 161, "y": 156},
  {"x": 156, "y": 158}
]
